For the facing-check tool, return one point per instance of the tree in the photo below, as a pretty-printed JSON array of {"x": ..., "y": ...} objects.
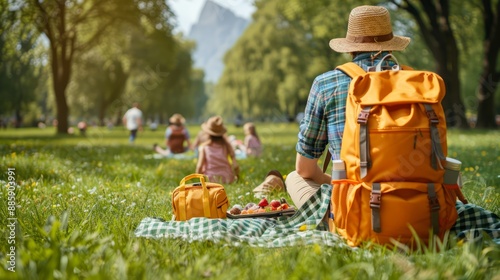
[
  {"x": 432, "y": 18},
  {"x": 62, "y": 21},
  {"x": 20, "y": 69},
  {"x": 490, "y": 74},
  {"x": 73, "y": 27}
]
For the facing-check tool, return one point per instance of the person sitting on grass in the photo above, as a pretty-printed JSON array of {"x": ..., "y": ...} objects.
[
  {"x": 216, "y": 157},
  {"x": 252, "y": 142},
  {"x": 177, "y": 138}
]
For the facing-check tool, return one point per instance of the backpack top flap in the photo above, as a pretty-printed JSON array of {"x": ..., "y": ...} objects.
[{"x": 391, "y": 87}]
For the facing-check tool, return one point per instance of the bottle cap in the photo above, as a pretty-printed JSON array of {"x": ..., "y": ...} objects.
[
  {"x": 338, "y": 164},
  {"x": 452, "y": 164}
]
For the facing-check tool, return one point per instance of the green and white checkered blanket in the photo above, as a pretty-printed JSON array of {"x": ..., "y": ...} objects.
[{"x": 303, "y": 228}]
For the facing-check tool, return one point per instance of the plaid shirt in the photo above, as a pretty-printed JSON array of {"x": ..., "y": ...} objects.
[{"x": 324, "y": 116}]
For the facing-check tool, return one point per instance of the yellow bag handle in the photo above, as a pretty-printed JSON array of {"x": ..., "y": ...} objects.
[{"x": 182, "y": 196}]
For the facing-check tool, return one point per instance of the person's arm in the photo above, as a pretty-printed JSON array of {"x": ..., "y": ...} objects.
[
  {"x": 139, "y": 124},
  {"x": 139, "y": 121},
  {"x": 168, "y": 132},
  {"x": 309, "y": 169},
  {"x": 200, "y": 165}
]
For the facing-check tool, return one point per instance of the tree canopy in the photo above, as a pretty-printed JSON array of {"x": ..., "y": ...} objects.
[{"x": 102, "y": 56}]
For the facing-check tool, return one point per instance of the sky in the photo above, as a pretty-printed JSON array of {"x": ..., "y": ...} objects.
[{"x": 188, "y": 11}]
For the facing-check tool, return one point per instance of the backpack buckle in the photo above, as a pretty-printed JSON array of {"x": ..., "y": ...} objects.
[
  {"x": 363, "y": 117},
  {"x": 432, "y": 117},
  {"x": 434, "y": 203},
  {"x": 375, "y": 198}
]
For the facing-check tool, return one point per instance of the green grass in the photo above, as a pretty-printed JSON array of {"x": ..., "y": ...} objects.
[{"x": 79, "y": 200}]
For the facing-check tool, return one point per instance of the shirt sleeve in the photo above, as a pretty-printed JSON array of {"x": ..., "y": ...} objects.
[{"x": 312, "y": 137}]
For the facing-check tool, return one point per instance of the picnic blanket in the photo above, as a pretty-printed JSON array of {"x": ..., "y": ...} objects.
[{"x": 305, "y": 227}]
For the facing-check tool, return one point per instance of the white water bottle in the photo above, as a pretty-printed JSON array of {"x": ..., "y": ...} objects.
[
  {"x": 338, "y": 169},
  {"x": 452, "y": 171}
]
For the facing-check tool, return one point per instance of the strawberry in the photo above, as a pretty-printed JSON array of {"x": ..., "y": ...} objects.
[
  {"x": 263, "y": 203},
  {"x": 275, "y": 203}
]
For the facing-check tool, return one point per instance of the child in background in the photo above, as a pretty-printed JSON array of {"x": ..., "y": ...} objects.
[
  {"x": 252, "y": 140},
  {"x": 216, "y": 157},
  {"x": 177, "y": 138},
  {"x": 239, "y": 148}
]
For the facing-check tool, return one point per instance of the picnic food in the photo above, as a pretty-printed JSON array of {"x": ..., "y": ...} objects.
[
  {"x": 263, "y": 207},
  {"x": 263, "y": 203},
  {"x": 275, "y": 203}
]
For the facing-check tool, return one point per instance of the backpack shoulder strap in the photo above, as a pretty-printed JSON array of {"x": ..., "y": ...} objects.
[{"x": 351, "y": 69}]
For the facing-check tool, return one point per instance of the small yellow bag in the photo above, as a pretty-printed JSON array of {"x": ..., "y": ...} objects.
[{"x": 200, "y": 199}]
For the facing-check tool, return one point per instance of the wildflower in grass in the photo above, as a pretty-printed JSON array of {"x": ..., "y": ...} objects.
[
  {"x": 317, "y": 249},
  {"x": 93, "y": 190}
]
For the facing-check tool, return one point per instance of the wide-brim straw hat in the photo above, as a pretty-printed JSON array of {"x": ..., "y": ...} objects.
[
  {"x": 214, "y": 126},
  {"x": 369, "y": 29},
  {"x": 177, "y": 119}
]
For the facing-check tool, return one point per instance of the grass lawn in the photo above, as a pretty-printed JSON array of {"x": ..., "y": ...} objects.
[{"x": 79, "y": 198}]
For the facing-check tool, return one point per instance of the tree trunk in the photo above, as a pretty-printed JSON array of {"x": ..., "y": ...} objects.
[
  {"x": 486, "y": 100},
  {"x": 61, "y": 105},
  {"x": 490, "y": 78},
  {"x": 118, "y": 85}
]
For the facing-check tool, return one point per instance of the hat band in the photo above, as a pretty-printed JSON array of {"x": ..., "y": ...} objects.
[{"x": 369, "y": 39}]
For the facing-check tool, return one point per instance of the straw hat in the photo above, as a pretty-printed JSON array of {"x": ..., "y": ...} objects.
[
  {"x": 214, "y": 126},
  {"x": 369, "y": 29},
  {"x": 177, "y": 119}
]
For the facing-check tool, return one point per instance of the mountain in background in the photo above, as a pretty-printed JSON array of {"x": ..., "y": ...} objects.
[{"x": 215, "y": 33}]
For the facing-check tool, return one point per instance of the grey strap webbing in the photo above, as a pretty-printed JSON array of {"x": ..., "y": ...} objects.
[
  {"x": 434, "y": 208},
  {"x": 436, "y": 152},
  {"x": 364, "y": 142},
  {"x": 375, "y": 199}
]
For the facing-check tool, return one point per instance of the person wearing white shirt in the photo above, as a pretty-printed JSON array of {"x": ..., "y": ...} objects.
[{"x": 133, "y": 121}]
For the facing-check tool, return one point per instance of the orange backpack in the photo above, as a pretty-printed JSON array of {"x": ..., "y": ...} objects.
[{"x": 394, "y": 147}]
